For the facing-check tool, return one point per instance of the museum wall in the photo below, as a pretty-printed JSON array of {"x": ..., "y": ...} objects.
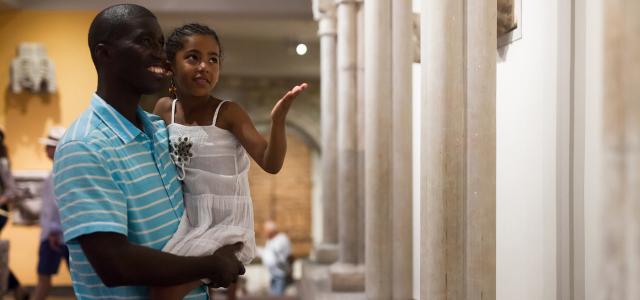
[
  {"x": 25, "y": 117},
  {"x": 526, "y": 120}
]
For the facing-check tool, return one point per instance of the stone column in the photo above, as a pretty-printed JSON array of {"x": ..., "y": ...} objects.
[
  {"x": 324, "y": 12},
  {"x": 377, "y": 131},
  {"x": 361, "y": 147},
  {"x": 345, "y": 274},
  {"x": 402, "y": 187},
  {"x": 618, "y": 272},
  {"x": 458, "y": 149}
]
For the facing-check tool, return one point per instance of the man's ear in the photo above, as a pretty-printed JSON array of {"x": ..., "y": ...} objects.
[{"x": 102, "y": 52}]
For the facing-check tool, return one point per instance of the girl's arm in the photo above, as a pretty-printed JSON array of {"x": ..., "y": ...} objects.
[{"x": 268, "y": 154}]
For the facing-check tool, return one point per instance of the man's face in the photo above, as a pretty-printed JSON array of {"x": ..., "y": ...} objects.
[{"x": 137, "y": 57}]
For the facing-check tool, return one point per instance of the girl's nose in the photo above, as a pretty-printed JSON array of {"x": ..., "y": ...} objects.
[{"x": 202, "y": 66}]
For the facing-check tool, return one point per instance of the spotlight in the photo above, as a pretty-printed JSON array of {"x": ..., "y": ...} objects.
[{"x": 301, "y": 49}]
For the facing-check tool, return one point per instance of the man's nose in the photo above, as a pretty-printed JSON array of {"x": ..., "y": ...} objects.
[{"x": 158, "y": 51}]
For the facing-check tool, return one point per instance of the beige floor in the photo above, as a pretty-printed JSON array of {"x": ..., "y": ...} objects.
[{"x": 23, "y": 255}]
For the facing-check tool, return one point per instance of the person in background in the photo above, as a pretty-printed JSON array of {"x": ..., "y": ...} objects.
[
  {"x": 276, "y": 257},
  {"x": 9, "y": 194},
  {"x": 52, "y": 248}
]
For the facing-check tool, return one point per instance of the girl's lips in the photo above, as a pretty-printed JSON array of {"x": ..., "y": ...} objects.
[{"x": 201, "y": 81}]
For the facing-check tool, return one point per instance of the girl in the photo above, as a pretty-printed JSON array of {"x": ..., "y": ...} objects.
[{"x": 210, "y": 139}]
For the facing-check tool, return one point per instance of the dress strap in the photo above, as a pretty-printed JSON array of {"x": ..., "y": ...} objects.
[
  {"x": 173, "y": 110},
  {"x": 215, "y": 115}
]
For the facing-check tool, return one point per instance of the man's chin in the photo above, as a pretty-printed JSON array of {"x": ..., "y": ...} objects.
[{"x": 149, "y": 89}]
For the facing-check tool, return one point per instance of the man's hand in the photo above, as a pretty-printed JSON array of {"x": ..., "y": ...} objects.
[
  {"x": 228, "y": 267},
  {"x": 280, "y": 110},
  {"x": 55, "y": 240}
]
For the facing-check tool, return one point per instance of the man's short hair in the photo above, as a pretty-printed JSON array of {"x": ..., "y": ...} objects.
[{"x": 106, "y": 24}]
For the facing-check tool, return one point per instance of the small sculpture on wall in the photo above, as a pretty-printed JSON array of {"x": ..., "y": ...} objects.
[
  {"x": 506, "y": 17},
  {"x": 32, "y": 69},
  {"x": 509, "y": 21}
]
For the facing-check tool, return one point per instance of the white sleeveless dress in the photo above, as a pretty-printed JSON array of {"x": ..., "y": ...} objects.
[{"x": 213, "y": 167}]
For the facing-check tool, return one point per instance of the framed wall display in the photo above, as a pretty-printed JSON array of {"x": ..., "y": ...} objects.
[
  {"x": 509, "y": 21},
  {"x": 26, "y": 211}
]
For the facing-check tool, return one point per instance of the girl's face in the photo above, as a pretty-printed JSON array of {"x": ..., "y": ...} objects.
[{"x": 197, "y": 66}]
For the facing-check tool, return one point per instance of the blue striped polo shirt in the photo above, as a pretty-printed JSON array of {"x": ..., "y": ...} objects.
[{"x": 110, "y": 176}]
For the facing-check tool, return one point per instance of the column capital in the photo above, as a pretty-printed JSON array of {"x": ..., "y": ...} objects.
[
  {"x": 323, "y": 9},
  {"x": 327, "y": 26}
]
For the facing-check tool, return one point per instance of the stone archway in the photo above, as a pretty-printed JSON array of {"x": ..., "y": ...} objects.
[{"x": 290, "y": 197}]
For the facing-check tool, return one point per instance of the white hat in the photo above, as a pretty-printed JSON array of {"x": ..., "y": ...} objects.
[{"x": 55, "y": 134}]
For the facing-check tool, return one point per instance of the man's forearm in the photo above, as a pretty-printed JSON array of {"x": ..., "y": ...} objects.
[{"x": 119, "y": 262}]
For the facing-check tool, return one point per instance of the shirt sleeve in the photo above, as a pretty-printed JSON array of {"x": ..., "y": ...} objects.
[{"x": 89, "y": 200}]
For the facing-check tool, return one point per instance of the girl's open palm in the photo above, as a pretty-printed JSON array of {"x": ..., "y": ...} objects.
[{"x": 280, "y": 110}]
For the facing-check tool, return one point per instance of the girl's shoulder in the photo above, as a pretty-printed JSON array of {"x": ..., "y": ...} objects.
[
  {"x": 163, "y": 108},
  {"x": 230, "y": 112},
  {"x": 163, "y": 104}
]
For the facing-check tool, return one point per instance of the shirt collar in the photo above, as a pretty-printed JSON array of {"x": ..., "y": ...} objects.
[{"x": 122, "y": 127}]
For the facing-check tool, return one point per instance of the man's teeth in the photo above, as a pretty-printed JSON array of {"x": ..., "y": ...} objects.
[{"x": 157, "y": 70}]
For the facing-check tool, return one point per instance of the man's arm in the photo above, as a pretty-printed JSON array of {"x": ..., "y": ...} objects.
[
  {"x": 94, "y": 213},
  {"x": 118, "y": 262}
]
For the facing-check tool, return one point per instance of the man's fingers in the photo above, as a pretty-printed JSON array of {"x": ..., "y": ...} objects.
[
  {"x": 241, "y": 268},
  {"x": 237, "y": 247}
]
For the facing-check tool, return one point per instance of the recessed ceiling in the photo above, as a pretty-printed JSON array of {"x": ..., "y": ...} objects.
[
  {"x": 260, "y": 35},
  {"x": 290, "y": 8},
  {"x": 245, "y": 27},
  {"x": 253, "y": 19}
]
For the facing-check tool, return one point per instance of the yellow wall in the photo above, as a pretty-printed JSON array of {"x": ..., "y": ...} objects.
[
  {"x": 26, "y": 117},
  {"x": 24, "y": 242}
]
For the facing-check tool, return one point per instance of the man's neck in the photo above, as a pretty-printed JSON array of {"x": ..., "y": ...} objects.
[{"x": 125, "y": 103}]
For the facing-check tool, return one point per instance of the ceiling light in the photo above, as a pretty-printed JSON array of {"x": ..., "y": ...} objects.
[{"x": 301, "y": 49}]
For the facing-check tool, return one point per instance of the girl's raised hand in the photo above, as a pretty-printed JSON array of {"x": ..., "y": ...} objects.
[{"x": 280, "y": 110}]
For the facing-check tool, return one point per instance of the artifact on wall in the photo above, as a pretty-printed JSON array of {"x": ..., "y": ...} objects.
[
  {"x": 32, "y": 70},
  {"x": 509, "y": 21},
  {"x": 26, "y": 210},
  {"x": 506, "y": 17}
]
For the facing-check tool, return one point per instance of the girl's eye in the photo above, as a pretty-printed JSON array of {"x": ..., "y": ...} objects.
[
  {"x": 213, "y": 60},
  {"x": 191, "y": 57}
]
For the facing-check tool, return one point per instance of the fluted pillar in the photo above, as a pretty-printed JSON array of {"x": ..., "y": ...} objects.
[
  {"x": 324, "y": 13},
  {"x": 458, "y": 149},
  {"x": 361, "y": 146},
  {"x": 402, "y": 187},
  {"x": 347, "y": 132},
  {"x": 377, "y": 131},
  {"x": 345, "y": 274}
]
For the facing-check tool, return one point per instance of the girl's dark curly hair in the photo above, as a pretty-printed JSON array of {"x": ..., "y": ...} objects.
[{"x": 175, "y": 41}]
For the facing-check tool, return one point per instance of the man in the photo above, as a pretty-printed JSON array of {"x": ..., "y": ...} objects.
[
  {"x": 52, "y": 249},
  {"x": 116, "y": 186},
  {"x": 275, "y": 256}
]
